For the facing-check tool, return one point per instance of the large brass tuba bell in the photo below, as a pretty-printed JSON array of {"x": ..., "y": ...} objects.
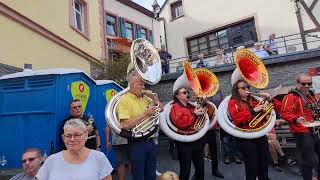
[{"x": 146, "y": 62}]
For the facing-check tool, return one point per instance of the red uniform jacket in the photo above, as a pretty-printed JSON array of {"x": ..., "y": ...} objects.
[
  {"x": 294, "y": 107},
  {"x": 241, "y": 113},
  {"x": 182, "y": 117}
]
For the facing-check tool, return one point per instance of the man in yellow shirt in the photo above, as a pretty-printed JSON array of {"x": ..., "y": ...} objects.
[{"x": 133, "y": 108}]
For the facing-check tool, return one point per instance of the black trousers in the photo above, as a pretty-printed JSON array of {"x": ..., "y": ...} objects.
[
  {"x": 255, "y": 153},
  {"x": 187, "y": 152},
  {"x": 308, "y": 153},
  {"x": 211, "y": 139}
]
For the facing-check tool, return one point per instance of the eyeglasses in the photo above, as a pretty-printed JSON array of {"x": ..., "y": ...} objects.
[
  {"x": 76, "y": 107},
  {"x": 23, "y": 161},
  {"x": 184, "y": 92},
  {"x": 304, "y": 83},
  {"x": 244, "y": 87},
  {"x": 68, "y": 137}
]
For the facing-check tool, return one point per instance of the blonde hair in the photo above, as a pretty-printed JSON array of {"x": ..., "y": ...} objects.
[{"x": 169, "y": 175}]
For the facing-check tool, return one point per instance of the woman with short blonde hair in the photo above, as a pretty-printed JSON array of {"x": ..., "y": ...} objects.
[{"x": 77, "y": 162}]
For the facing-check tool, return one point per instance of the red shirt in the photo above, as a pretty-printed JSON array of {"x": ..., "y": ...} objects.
[
  {"x": 295, "y": 107},
  {"x": 182, "y": 116},
  {"x": 241, "y": 113}
]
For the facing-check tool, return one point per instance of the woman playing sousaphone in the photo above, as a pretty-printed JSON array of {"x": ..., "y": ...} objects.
[
  {"x": 251, "y": 117},
  {"x": 187, "y": 122},
  {"x": 242, "y": 109}
]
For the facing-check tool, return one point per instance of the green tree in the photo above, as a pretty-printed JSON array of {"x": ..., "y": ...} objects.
[{"x": 116, "y": 70}]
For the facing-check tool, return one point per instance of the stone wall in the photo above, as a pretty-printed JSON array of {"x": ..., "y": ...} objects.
[{"x": 282, "y": 69}]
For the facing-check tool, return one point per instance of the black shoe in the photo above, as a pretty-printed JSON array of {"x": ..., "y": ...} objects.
[
  {"x": 227, "y": 160},
  {"x": 217, "y": 174},
  {"x": 237, "y": 160},
  {"x": 278, "y": 168}
]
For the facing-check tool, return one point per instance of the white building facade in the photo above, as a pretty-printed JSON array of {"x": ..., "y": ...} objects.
[
  {"x": 125, "y": 21},
  {"x": 203, "y": 26}
]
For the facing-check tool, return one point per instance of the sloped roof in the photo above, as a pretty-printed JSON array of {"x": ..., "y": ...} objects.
[
  {"x": 7, "y": 69},
  {"x": 137, "y": 7}
]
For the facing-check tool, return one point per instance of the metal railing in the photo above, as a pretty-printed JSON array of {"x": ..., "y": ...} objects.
[{"x": 285, "y": 45}]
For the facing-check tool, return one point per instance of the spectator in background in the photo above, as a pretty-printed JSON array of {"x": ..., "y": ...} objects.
[
  {"x": 230, "y": 148},
  {"x": 258, "y": 51},
  {"x": 202, "y": 63},
  {"x": 180, "y": 67},
  {"x": 120, "y": 148},
  {"x": 220, "y": 58},
  {"x": 272, "y": 44},
  {"x": 165, "y": 57},
  {"x": 31, "y": 163},
  {"x": 266, "y": 47},
  {"x": 275, "y": 149}
]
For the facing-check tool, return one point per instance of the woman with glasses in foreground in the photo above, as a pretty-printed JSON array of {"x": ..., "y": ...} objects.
[
  {"x": 77, "y": 162},
  {"x": 242, "y": 109}
]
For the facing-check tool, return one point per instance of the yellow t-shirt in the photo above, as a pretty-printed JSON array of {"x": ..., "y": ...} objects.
[{"x": 131, "y": 106}]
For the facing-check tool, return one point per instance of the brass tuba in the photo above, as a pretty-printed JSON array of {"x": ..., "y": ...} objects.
[
  {"x": 147, "y": 63},
  {"x": 204, "y": 84},
  {"x": 252, "y": 70}
]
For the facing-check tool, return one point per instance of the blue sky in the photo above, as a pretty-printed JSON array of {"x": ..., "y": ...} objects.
[{"x": 147, "y": 3}]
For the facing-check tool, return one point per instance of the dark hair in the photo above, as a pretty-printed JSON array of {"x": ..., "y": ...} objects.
[
  {"x": 175, "y": 93},
  {"x": 234, "y": 91},
  {"x": 75, "y": 100}
]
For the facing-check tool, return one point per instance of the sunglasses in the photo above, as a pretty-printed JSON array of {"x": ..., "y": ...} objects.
[
  {"x": 244, "y": 87},
  {"x": 29, "y": 159},
  {"x": 304, "y": 84},
  {"x": 184, "y": 92}
]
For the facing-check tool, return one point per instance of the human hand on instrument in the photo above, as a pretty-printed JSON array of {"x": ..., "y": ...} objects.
[
  {"x": 89, "y": 128},
  {"x": 258, "y": 108},
  {"x": 265, "y": 96},
  {"x": 301, "y": 120},
  {"x": 152, "y": 110},
  {"x": 198, "y": 111}
]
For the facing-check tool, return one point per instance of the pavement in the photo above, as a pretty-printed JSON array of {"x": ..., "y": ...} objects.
[{"x": 230, "y": 171}]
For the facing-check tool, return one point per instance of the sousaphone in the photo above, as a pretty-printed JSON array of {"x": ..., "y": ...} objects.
[
  {"x": 252, "y": 70},
  {"x": 204, "y": 84},
  {"x": 147, "y": 63}
]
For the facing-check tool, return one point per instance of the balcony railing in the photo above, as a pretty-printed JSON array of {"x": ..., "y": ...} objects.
[{"x": 286, "y": 45}]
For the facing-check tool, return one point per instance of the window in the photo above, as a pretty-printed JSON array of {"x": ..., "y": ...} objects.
[
  {"x": 111, "y": 25},
  {"x": 78, "y": 11},
  {"x": 78, "y": 15},
  {"x": 241, "y": 33},
  {"x": 129, "y": 30},
  {"x": 176, "y": 10},
  {"x": 143, "y": 33}
]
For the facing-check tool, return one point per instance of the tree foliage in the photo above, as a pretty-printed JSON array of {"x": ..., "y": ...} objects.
[{"x": 116, "y": 70}]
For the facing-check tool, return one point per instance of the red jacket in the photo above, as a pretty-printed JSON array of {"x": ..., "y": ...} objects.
[
  {"x": 241, "y": 113},
  {"x": 182, "y": 117},
  {"x": 294, "y": 107}
]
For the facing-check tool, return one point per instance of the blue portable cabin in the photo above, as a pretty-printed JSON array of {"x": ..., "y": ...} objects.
[
  {"x": 105, "y": 89},
  {"x": 33, "y": 104}
]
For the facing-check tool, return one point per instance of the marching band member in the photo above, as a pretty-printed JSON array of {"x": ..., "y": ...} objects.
[
  {"x": 183, "y": 115},
  {"x": 301, "y": 106},
  {"x": 132, "y": 110},
  {"x": 243, "y": 108}
]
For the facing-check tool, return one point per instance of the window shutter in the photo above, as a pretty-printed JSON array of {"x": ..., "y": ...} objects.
[
  {"x": 138, "y": 30},
  {"x": 121, "y": 27},
  {"x": 151, "y": 37}
]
